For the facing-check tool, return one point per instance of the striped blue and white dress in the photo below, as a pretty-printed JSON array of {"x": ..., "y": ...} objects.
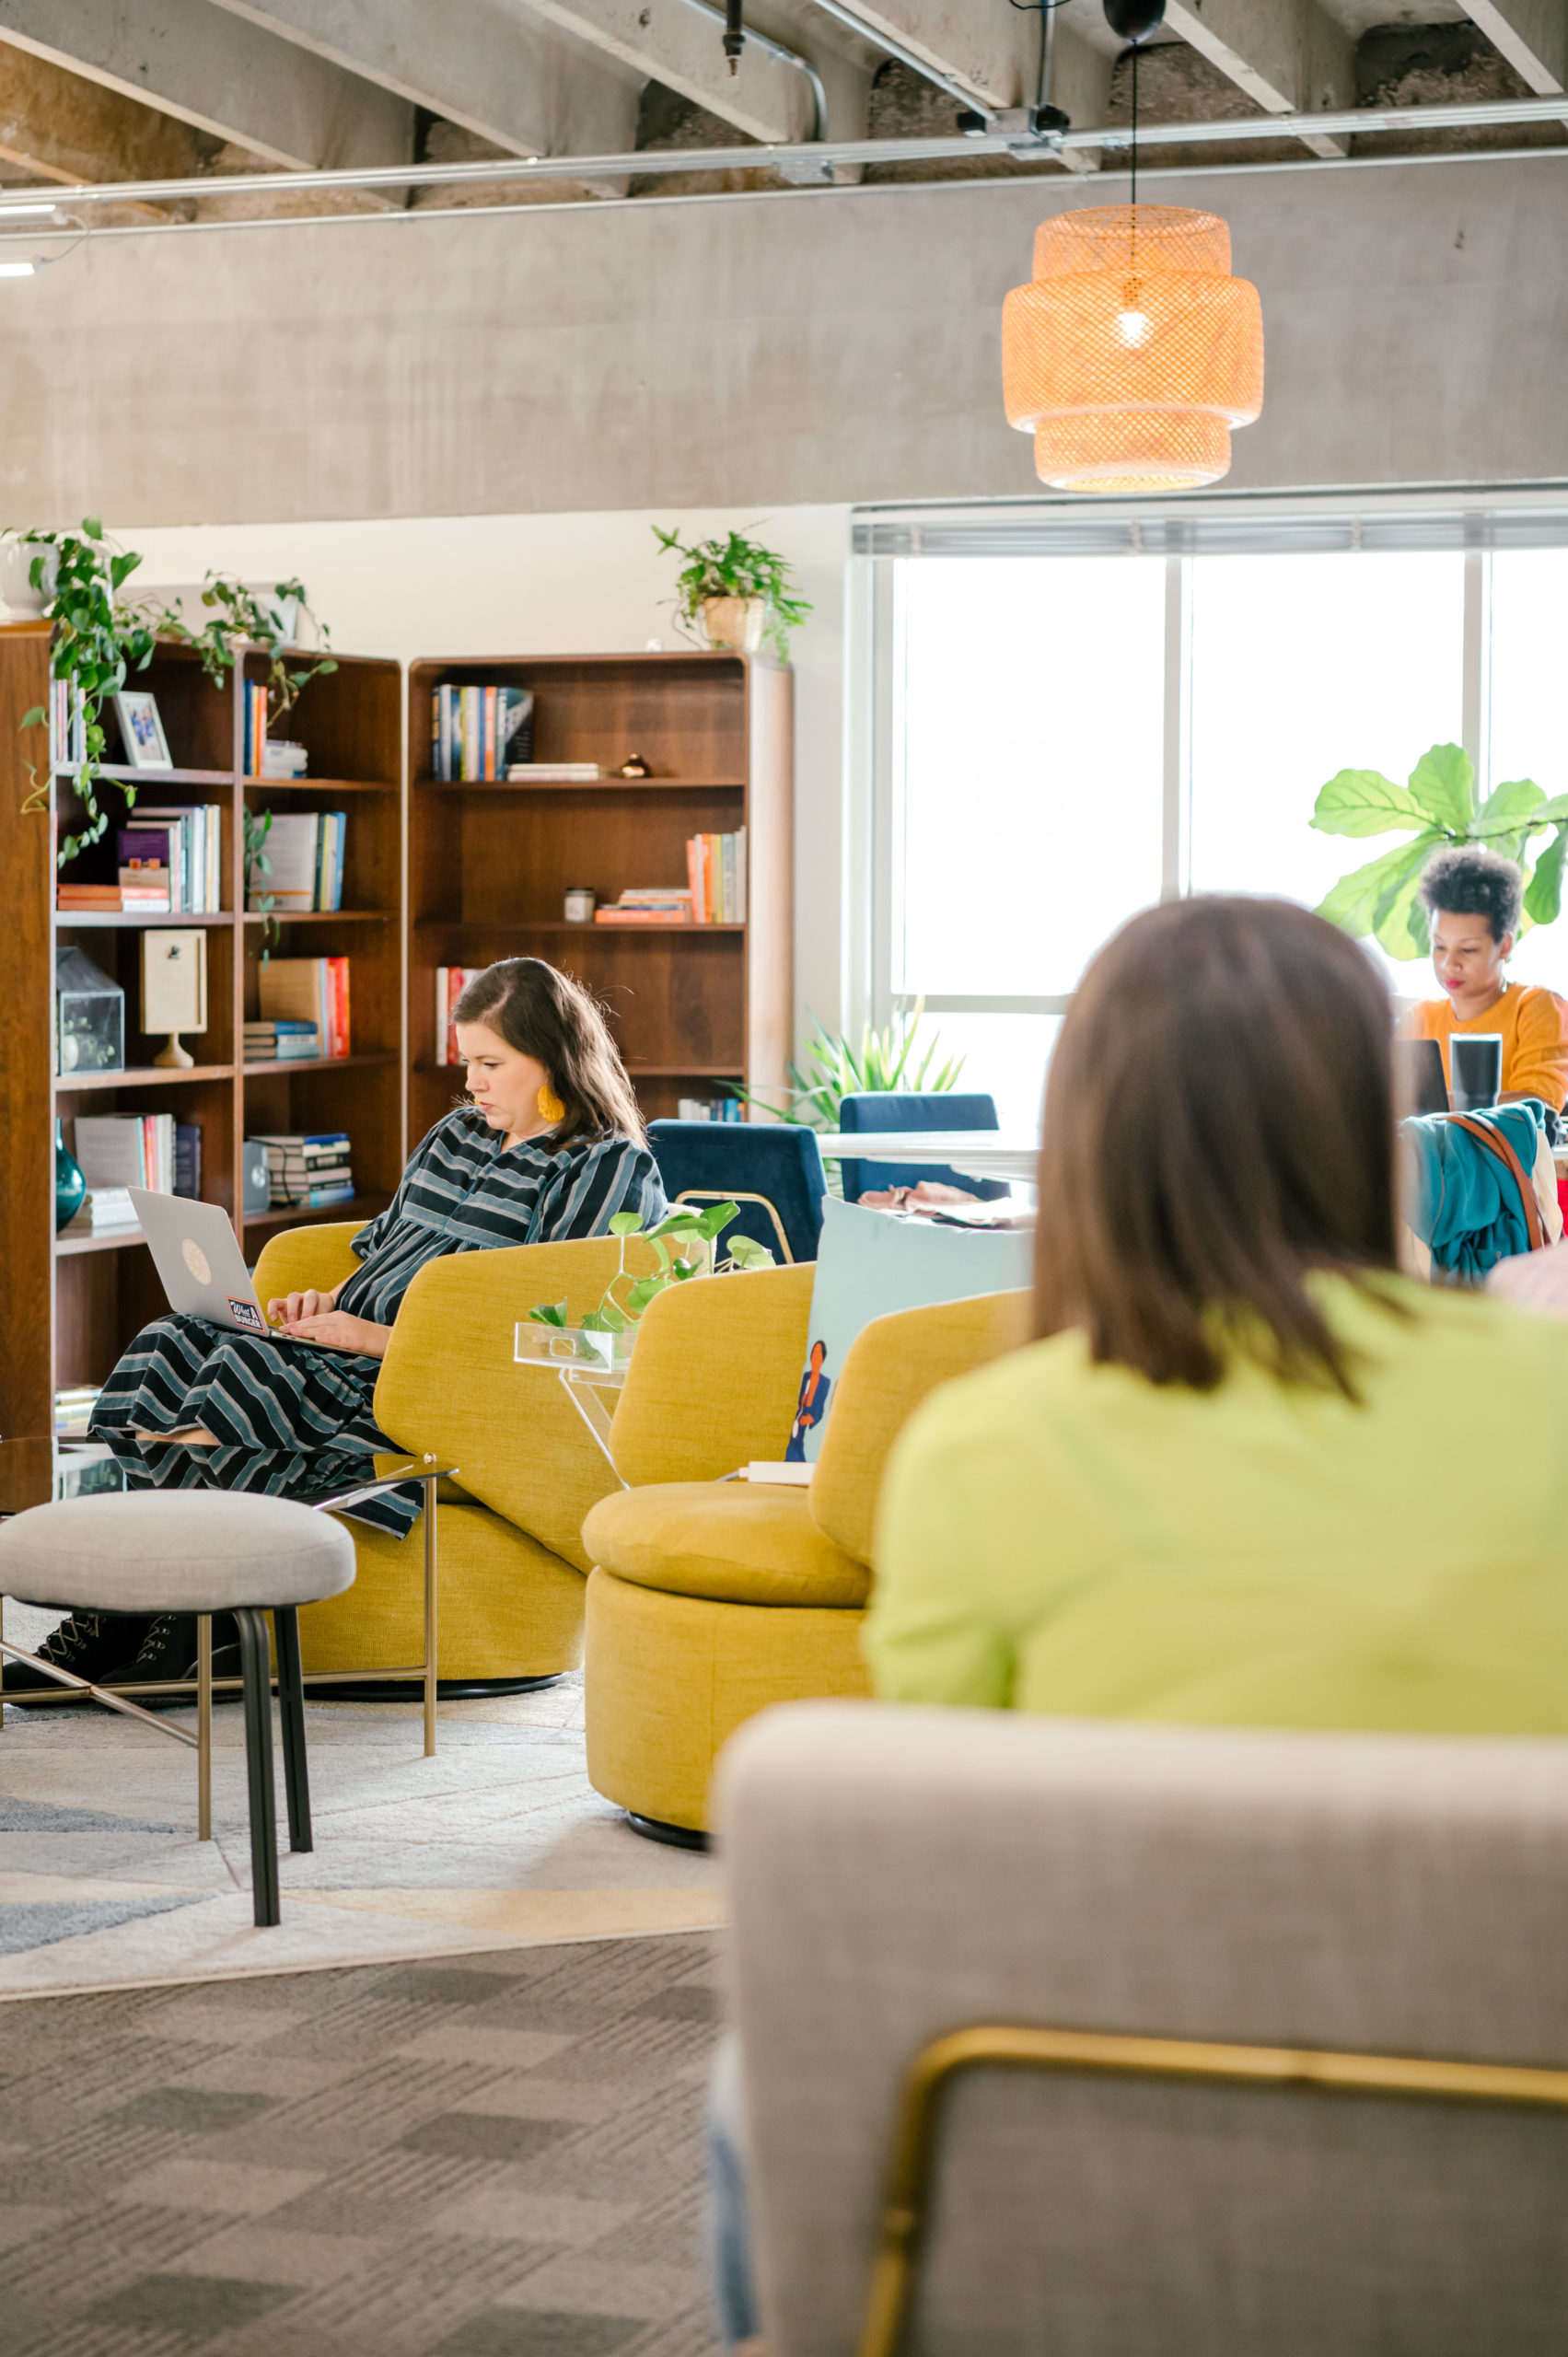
[{"x": 464, "y": 1191}]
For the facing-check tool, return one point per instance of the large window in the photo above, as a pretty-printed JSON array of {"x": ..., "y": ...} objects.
[{"x": 1063, "y": 738}]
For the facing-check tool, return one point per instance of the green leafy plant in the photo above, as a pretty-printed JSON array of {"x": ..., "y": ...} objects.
[
  {"x": 892, "y": 1060},
  {"x": 257, "y": 825},
  {"x": 239, "y": 619},
  {"x": 734, "y": 567},
  {"x": 93, "y": 647},
  {"x": 684, "y": 1243},
  {"x": 1435, "y": 807}
]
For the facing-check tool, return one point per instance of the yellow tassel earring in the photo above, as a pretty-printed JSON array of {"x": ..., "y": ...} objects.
[{"x": 551, "y": 1109}]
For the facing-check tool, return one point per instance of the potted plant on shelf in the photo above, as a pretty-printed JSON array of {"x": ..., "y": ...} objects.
[
  {"x": 73, "y": 580},
  {"x": 735, "y": 592}
]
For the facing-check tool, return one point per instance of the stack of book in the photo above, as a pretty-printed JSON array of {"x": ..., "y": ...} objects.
[
  {"x": 553, "y": 772},
  {"x": 100, "y": 1210},
  {"x": 282, "y": 1043},
  {"x": 175, "y": 851},
  {"x": 144, "y": 893},
  {"x": 67, "y": 727},
  {"x": 308, "y": 1170},
  {"x": 477, "y": 732},
  {"x": 308, "y": 989},
  {"x": 647, "y": 904},
  {"x": 304, "y": 851},
  {"x": 132, "y": 1150},
  {"x": 73, "y": 1410},
  {"x": 267, "y": 757},
  {"x": 451, "y": 982},
  {"x": 716, "y": 867}
]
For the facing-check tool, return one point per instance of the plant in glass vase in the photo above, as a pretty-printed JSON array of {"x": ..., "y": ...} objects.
[{"x": 685, "y": 1244}]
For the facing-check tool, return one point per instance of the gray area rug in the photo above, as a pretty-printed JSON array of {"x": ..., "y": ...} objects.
[{"x": 491, "y": 2156}]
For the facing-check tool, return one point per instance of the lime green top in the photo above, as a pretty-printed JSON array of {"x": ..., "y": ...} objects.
[{"x": 1060, "y": 1536}]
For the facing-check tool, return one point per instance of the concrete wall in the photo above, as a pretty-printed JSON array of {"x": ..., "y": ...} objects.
[{"x": 791, "y": 350}]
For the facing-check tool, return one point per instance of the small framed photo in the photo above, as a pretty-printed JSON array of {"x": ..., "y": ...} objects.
[{"x": 145, "y": 745}]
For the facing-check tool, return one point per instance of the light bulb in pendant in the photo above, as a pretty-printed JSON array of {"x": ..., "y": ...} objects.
[{"x": 1134, "y": 328}]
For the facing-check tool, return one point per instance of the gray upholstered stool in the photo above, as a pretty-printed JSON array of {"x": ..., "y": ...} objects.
[{"x": 201, "y": 1551}]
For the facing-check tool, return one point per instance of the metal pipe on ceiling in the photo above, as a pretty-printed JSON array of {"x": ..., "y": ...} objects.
[
  {"x": 772, "y": 48},
  {"x": 879, "y": 39},
  {"x": 645, "y": 162}
]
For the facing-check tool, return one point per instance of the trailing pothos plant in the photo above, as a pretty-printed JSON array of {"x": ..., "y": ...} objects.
[
  {"x": 1435, "y": 807},
  {"x": 98, "y": 638},
  {"x": 685, "y": 1243},
  {"x": 735, "y": 567}
]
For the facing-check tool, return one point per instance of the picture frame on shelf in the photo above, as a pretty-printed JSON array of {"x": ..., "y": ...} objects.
[{"x": 141, "y": 729}]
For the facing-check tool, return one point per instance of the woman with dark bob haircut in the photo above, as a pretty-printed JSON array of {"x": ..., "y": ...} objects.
[
  {"x": 549, "y": 1145},
  {"x": 1246, "y": 1473}
]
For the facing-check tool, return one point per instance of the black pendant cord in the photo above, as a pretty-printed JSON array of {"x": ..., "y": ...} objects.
[{"x": 1134, "y": 134}]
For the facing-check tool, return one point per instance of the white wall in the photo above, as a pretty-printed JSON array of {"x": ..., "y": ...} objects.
[{"x": 563, "y": 585}]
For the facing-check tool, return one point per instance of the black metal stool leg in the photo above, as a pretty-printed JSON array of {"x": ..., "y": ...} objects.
[
  {"x": 291, "y": 1707},
  {"x": 256, "y": 1665}
]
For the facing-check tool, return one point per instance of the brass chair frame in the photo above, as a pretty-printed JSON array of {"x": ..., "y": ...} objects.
[
  {"x": 738, "y": 1195},
  {"x": 997, "y": 2047}
]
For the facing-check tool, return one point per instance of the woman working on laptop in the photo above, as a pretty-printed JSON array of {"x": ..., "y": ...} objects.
[{"x": 550, "y": 1146}]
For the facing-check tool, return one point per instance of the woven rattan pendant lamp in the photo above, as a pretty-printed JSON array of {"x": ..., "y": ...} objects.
[{"x": 1133, "y": 351}]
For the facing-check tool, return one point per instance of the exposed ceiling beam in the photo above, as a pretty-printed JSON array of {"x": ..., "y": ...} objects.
[
  {"x": 224, "y": 76},
  {"x": 64, "y": 128},
  {"x": 1532, "y": 35},
  {"x": 1290, "y": 55},
  {"x": 987, "y": 49},
  {"x": 668, "y": 42},
  {"x": 493, "y": 68}
]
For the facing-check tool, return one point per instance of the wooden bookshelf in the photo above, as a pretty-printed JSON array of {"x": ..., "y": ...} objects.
[
  {"x": 71, "y": 1305},
  {"x": 489, "y": 864}
]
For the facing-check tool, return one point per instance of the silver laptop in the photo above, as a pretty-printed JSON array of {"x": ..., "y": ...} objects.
[{"x": 197, "y": 1254}]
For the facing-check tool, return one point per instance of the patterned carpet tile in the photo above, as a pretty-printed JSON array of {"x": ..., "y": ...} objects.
[{"x": 496, "y": 2156}]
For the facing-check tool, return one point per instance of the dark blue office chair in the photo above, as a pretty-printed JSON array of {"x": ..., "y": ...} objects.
[
  {"x": 773, "y": 1169},
  {"x": 941, "y": 1110}
]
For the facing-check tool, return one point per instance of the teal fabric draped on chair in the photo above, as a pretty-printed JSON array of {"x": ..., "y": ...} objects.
[{"x": 1459, "y": 1197}]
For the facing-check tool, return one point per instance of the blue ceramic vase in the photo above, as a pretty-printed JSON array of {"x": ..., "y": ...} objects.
[{"x": 69, "y": 1184}]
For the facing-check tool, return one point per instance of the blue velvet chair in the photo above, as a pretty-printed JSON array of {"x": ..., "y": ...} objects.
[
  {"x": 942, "y": 1111},
  {"x": 773, "y": 1169}
]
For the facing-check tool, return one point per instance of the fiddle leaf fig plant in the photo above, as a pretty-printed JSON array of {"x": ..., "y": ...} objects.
[
  {"x": 1435, "y": 807},
  {"x": 685, "y": 1243},
  {"x": 734, "y": 567}
]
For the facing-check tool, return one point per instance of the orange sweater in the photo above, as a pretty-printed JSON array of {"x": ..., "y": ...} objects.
[{"x": 1534, "y": 1025}]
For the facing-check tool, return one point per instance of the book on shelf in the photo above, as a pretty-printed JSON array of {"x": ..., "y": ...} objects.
[
  {"x": 553, "y": 772},
  {"x": 127, "y": 1150},
  {"x": 308, "y": 989},
  {"x": 708, "y": 1108},
  {"x": 187, "y": 1160},
  {"x": 282, "y": 1043},
  {"x": 305, "y": 851},
  {"x": 185, "y": 843},
  {"x": 110, "y": 901},
  {"x": 647, "y": 904},
  {"x": 67, "y": 727},
  {"x": 100, "y": 1210},
  {"x": 451, "y": 982},
  {"x": 715, "y": 867},
  {"x": 476, "y": 733},
  {"x": 308, "y": 1169}
]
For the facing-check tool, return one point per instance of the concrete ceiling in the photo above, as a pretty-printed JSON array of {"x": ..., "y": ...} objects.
[{"x": 200, "y": 91}]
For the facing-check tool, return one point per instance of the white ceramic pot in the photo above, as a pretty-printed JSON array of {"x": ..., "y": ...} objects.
[
  {"x": 22, "y": 602},
  {"x": 734, "y": 623}
]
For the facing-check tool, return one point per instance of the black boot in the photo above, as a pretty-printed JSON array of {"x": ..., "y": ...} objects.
[
  {"x": 168, "y": 1652},
  {"x": 90, "y": 1644}
]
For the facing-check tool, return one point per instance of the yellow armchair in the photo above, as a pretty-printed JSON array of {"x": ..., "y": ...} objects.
[
  {"x": 711, "y": 1599},
  {"x": 512, "y": 1562}
]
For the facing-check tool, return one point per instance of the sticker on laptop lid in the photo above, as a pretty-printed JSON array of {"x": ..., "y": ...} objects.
[
  {"x": 246, "y": 1313},
  {"x": 196, "y": 1260}
]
